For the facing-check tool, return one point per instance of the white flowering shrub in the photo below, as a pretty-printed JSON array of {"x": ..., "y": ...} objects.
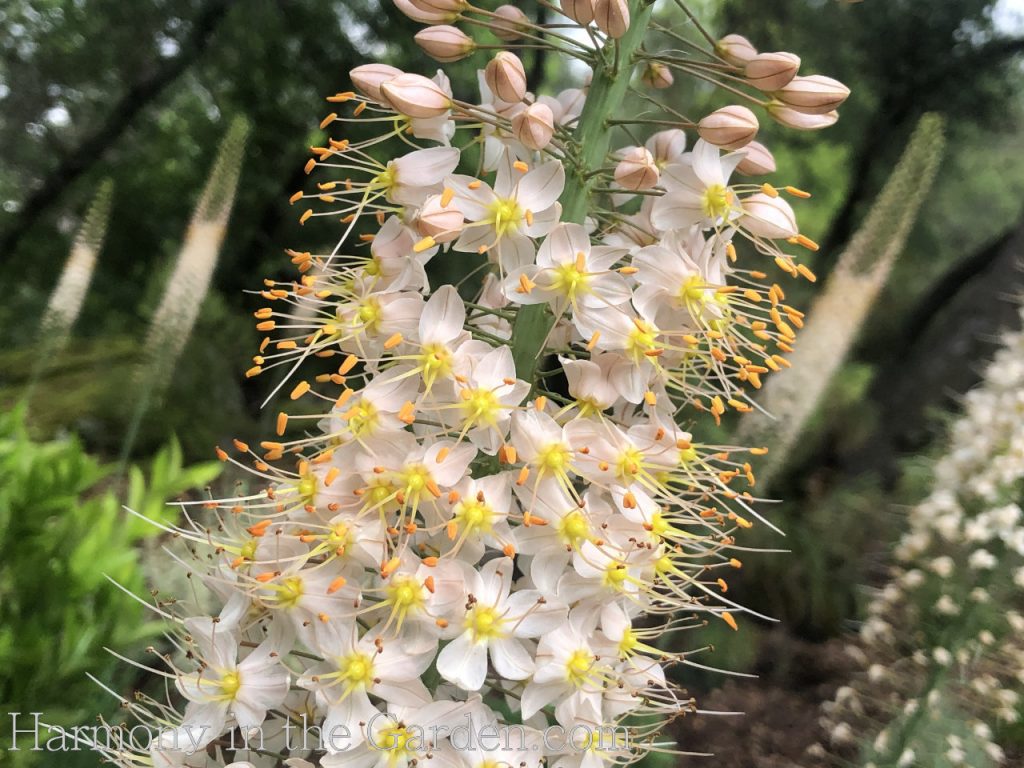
[
  {"x": 941, "y": 649},
  {"x": 486, "y": 514}
]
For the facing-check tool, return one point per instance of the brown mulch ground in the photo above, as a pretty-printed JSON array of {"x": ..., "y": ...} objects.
[{"x": 781, "y": 708}]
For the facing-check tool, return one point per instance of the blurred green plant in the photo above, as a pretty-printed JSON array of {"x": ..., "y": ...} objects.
[{"x": 63, "y": 534}]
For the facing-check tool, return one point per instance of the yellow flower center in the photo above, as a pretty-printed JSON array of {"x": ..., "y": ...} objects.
[
  {"x": 717, "y": 201},
  {"x": 642, "y": 338},
  {"x": 404, "y": 595},
  {"x": 370, "y": 314},
  {"x": 628, "y": 643},
  {"x": 363, "y": 418},
  {"x": 578, "y": 665},
  {"x": 289, "y": 592},
  {"x": 480, "y": 406},
  {"x": 387, "y": 179},
  {"x": 694, "y": 289},
  {"x": 570, "y": 281},
  {"x": 475, "y": 516},
  {"x": 615, "y": 576},
  {"x": 630, "y": 464},
  {"x": 553, "y": 458},
  {"x": 574, "y": 529},
  {"x": 356, "y": 670},
  {"x": 229, "y": 685},
  {"x": 435, "y": 362},
  {"x": 484, "y": 623},
  {"x": 505, "y": 216}
]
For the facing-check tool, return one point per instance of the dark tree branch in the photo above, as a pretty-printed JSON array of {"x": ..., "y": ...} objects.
[{"x": 76, "y": 161}]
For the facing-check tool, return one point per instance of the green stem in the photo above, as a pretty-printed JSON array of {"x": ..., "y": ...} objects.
[{"x": 592, "y": 141}]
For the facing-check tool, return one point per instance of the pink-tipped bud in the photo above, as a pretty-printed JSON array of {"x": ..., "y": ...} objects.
[
  {"x": 667, "y": 146},
  {"x": 416, "y": 96},
  {"x": 506, "y": 77},
  {"x": 730, "y": 127},
  {"x": 445, "y": 43},
  {"x": 637, "y": 170},
  {"x": 736, "y": 50},
  {"x": 424, "y": 15},
  {"x": 769, "y": 217},
  {"x": 800, "y": 121},
  {"x": 771, "y": 71},
  {"x": 510, "y": 23},
  {"x": 657, "y": 75},
  {"x": 580, "y": 11},
  {"x": 534, "y": 126},
  {"x": 815, "y": 95},
  {"x": 451, "y": 8},
  {"x": 757, "y": 162},
  {"x": 612, "y": 17},
  {"x": 369, "y": 77},
  {"x": 436, "y": 220}
]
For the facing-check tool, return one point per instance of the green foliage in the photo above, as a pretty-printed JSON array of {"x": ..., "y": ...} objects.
[{"x": 63, "y": 534}]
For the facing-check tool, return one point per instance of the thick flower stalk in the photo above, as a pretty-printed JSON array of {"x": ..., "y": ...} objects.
[
  {"x": 488, "y": 514},
  {"x": 942, "y": 649}
]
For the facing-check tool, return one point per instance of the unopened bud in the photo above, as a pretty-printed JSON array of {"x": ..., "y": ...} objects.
[
  {"x": 510, "y": 22},
  {"x": 452, "y": 8},
  {"x": 416, "y": 96},
  {"x": 736, "y": 49},
  {"x": 637, "y": 170},
  {"x": 369, "y": 77},
  {"x": 442, "y": 223},
  {"x": 757, "y": 162},
  {"x": 445, "y": 43},
  {"x": 424, "y": 14},
  {"x": 730, "y": 127},
  {"x": 580, "y": 11},
  {"x": 800, "y": 121},
  {"x": 769, "y": 217},
  {"x": 657, "y": 75},
  {"x": 815, "y": 94},
  {"x": 534, "y": 126},
  {"x": 667, "y": 146},
  {"x": 612, "y": 17},
  {"x": 771, "y": 71},
  {"x": 506, "y": 77}
]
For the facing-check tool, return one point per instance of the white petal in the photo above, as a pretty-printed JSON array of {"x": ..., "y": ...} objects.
[
  {"x": 510, "y": 659},
  {"x": 464, "y": 663}
]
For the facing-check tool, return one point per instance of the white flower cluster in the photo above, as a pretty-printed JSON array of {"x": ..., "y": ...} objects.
[
  {"x": 496, "y": 515},
  {"x": 946, "y": 631}
]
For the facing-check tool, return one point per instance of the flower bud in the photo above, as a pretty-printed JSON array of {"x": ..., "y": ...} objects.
[
  {"x": 800, "y": 121},
  {"x": 815, "y": 95},
  {"x": 736, "y": 49},
  {"x": 637, "y": 170},
  {"x": 369, "y": 77},
  {"x": 769, "y": 217},
  {"x": 612, "y": 17},
  {"x": 510, "y": 22},
  {"x": 424, "y": 15},
  {"x": 757, "y": 162},
  {"x": 445, "y": 43},
  {"x": 451, "y": 8},
  {"x": 416, "y": 96},
  {"x": 667, "y": 146},
  {"x": 657, "y": 75},
  {"x": 771, "y": 71},
  {"x": 436, "y": 220},
  {"x": 506, "y": 77},
  {"x": 730, "y": 127},
  {"x": 580, "y": 11},
  {"x": 534, "y": 126}
]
